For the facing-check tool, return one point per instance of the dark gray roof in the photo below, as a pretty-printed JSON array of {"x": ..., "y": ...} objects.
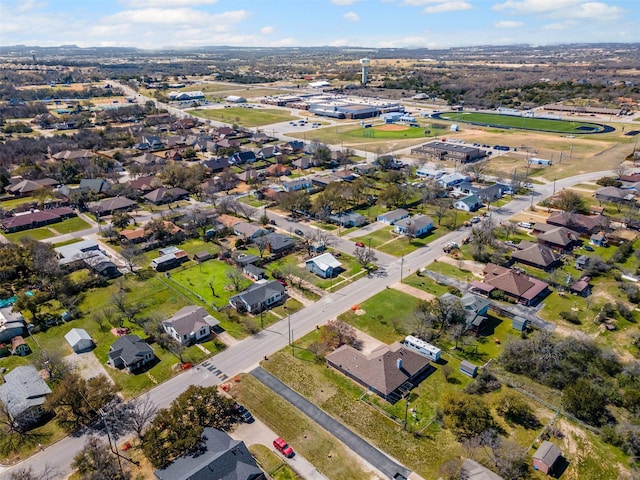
[
  {"x": 114, "y": 203},
  {"x": 189, "y": 319},
  {"x": 219, "y": 458},
  {"x": 23, "y": 389},
  {"x": 253, "y": 270},
  {"x": 259, "y": 292},
  {"x": 130, "y": 348},
  {"x": 278, "y": 241}
]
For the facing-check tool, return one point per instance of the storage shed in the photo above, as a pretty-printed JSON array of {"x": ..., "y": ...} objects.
[
  {"x": 546, "y": 456},
  {"x": 468, "y": 368},
  {"x": 519, "y": 324},
  {"x": 79, "y": 340}
]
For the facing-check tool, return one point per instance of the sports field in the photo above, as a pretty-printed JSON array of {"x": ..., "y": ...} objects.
[
  {"x": 525, "y": 123},
  {"x": 245, "y": 117}
]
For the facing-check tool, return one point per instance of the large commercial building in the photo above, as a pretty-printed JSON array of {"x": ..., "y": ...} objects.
[{"x": 449, "y": 151}]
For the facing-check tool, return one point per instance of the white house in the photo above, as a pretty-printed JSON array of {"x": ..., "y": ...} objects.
[
  {"x": 325, "y": 265},
  {"x": 417, "y": 225},
  {"x": 452, "y": 179},
  {"x": 470, "y": 203},
  {"x": 79, "y": 340},
  {"x": 190, "y": 324},
  {"x": 393, "y": 216},
  {"x": 426, "y": 172}
]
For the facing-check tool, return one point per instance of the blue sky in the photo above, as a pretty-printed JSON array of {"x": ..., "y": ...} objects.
[{"x": 156, "y": 24}]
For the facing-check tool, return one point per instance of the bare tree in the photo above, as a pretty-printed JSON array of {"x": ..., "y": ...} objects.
[
  {"x": 236, "y": 278},
  {"x": 132, "y": 254},
  {"x": 620, "y": 170},
  {"x": 365, "y": 256},
  {"x": 262, "y": 244}
]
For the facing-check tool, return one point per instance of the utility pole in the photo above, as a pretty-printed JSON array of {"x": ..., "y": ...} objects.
[{"x": 401, "y": 267}]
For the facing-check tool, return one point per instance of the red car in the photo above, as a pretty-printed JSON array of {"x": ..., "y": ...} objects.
[
  {"x": 283, "y": 448},
  {"x": 360, "y": 244}
]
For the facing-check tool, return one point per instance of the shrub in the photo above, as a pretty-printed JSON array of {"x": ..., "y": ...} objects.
[
  {"x": 624, "y": 311},
  {"x": 485, "y": 382},
  {"x": 571, "y": 317},
  {"x": 608, "y": 182}
]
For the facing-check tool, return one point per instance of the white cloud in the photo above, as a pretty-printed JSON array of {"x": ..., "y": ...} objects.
[
  {"x": 598, "y": 10},
  {"x": 560, "y": 9},
  {"x": 343, "y": 3},
  {"x": 452, "y": 6},
  {"x": 30, "y": 6},
  {"x": 177, "y": 16},
  {"x": 167, "y": 3},
  {"x": 508, "y": 24},
  {"x": 267, "y": 30},
  {"x": 535, "y": 6},
  {"x": 352, "y": 16}
]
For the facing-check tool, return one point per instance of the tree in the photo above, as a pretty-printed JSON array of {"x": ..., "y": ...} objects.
[
  {"x": 76, "y": 401},
  {"x": 128, "y": 310},
  {"x": 176, "y": 430},
  {"x": 570, "y": 201},
  {"x": 236, "y": 278},
  {"x": 97, "y": 462},
  {"x": 135, "y": 415},
  {"x": 585, "y": 400},
  {"x": 516, "y": 410},
  {"x": 365, "y": 256},
  {"x": 28, "y": 474},
  {"x": 121, "y": 220},
  {"x": 298, "y": 201},
  {"x": 132, "y": 254},
  {"x": 262, "y": 244},
  {"x": 465, "y": 415},
  {"x": 158, "y": 230},
  {"x": 442, "y": 207}
]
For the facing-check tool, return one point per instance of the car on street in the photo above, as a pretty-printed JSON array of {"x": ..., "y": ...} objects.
[
  {"x": 299, "y": 232},
  {"x": 475, "y": 219},
  {"x": 360, "y": 244},
  {"x": 283, "y": 447}
]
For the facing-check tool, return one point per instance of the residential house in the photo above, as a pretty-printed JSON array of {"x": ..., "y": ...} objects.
[
  {"x": 277, "y": 242},
  {"x": 347, "y": 219},
  {"x": 218, "y": 457},
  {"x": 24, "y": 394},
  {"x": 536, "y": 255},
  {"x": 429, "y": 173},
  {"x": 393, "y": 216},
  {"x": 258, "y": 296},
  {"x": 175, "y": 155},
  {"x": 170, "y": 257},
  {"x": 486, "y": 193},
  {"x": 149, "y": 159},
  {"x": 145, "y": 184},
  {"x": 520, "y": 286},
  {"x": 250, "y": 174},
  {"x": 325, "y": 265},
  {"x": 614, "y": 195},
  {"x": 470, "y": 203},
  {"x": 417, "y": 226},
  {"x": 581, "y": 287},
  {"x": 305, "y": 162},
  {"x": 240, "y": 158},
  {"x": 216, "y": 165},
  {"x": 249, "y": 231},
  {"x": 598, "y": 239},
  {"x": 35, "y": 219},
  {"x": 298, "y": 184},
  {"x": 546, "y": 457},
  {"x": 244, "y": 259},
  {"x": 277, "y": 170},
  {"x": 345, "y": 174},
  {"x": 130, "y": 353},
  {"x": 86, "y": 254},
  {"x": 268, "y": 151},
  {"x": 190, "y": 324},
  {"x": 111, "y": 205},
  {"x": 254, "y": 272},
  {"x": 12, "y": 324},
  {"x": 558, "y": 238},
  {"x": 19, "y": 347},
  {"x": 583, "y": 224},
  {"x": 27, "y": 187},
  {"x": 387, "y": 371},
  {"x": 364, "y": 168},
  {"x": 151, "y": 142},
  {"x": 79, "y": 340},
  {"x": 94, "y": 185},
  {"x": 452, "y": 179},
  {"x": 166, "y": 195},
  {"x": 472, "y": 470},
  {"x": 323, "y": 180},
  {"x": 203, "y": 256},
  {"x": 476, "y": 308}
]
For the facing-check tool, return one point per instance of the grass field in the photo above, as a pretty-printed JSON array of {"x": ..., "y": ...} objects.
[
  {"x": 245, "y": 117},
  {"x": 524, "y": 123}
]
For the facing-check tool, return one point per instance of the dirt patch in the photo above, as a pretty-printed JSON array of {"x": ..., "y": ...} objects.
[
  {"x": 476, "y": 268},
  {"x": 390, "y": 127},
  {"x": 86, "y": 365},
  {"x": 360, "y": 312}
]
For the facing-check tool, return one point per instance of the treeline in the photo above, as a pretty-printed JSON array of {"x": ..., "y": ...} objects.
[
  {"x": 27, "y": 110},
  {"x": 8, "y": 92}
]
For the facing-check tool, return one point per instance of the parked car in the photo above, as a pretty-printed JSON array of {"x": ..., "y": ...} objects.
[
  {"x": 243, "y": 413},
  {"x": 282, "y": 282},
  {"x": 283, "y": 447},
  {"x": 525, "y": 224},
  {"x": 475, "y": 219},
  {"x": 272, "y": 222},
  {"x": 360, "y": 244},
  {"x": 299, "y": 232},
  {"x": 588, "y": 248}
]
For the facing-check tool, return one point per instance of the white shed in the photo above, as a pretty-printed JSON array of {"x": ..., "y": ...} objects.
[{"x": 79, "y": 340}]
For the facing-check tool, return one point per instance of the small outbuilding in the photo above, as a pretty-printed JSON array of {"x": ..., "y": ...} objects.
[
  {"x": 546, "y": 457},
  {"x": 519, "y": 324},
  {"x": 468, "y": 368},
  {"x": 79, "y": 340}
]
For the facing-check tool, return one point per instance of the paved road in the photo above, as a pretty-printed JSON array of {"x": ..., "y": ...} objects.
[{"x": 356, "y": 443}]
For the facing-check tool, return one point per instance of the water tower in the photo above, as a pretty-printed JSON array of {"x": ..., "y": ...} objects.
[{"x": 365, "y": 70}]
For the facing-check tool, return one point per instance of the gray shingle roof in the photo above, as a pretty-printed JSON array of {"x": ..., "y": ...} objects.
[
  {"x": 130, "y": 348},
  {"x": 23, "y": 389},
  {"x": 189, "y": 319}
]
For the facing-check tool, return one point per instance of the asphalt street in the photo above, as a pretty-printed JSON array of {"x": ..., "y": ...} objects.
[{"x": 356, "y": 443}]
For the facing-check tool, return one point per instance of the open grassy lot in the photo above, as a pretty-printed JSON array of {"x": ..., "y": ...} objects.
[
  {"x": 426, "y": 284},
  {"x": 9, "y": 203},
  {"x": 69, "y": 225},
  {"x": 523, "y": 123},
  {"x": 245, "y": 117},
  {"x": 328, "y": 455},
  {"x": 376, "y": 132},
  {"x": 384, "y": 315},
  {"x": 41, "y": 233}
]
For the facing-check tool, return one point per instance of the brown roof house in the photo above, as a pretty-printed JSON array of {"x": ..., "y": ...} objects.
[
  {"x": 389, "y": 371},
  {"x": 583, "y": 224},
  {"x": 166, "y": 195},
  {"x": 536, "y": 255},
  {"x": 26, "y": 187},
  {"x": 558, "y": 238},
  {"x": 525, "y": 289},
  {"x": 546, "y": 457}
]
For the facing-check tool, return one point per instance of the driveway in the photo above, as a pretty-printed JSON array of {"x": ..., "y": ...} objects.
[
  {"x": 375, "y": 457},
  {"x": 86, "y": 365}
]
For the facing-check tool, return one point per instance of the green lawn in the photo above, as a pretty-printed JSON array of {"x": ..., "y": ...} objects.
[
  {"x": 275, "y": 467},
  {"x": 426, "y": 283},
  {"x": 385, "y": 315},
  {"x": 245, "y": 117},
  {"x": 10, "y": 203},
  {"x": 522, "y": 123},
  {"x": 69, "y": 225},
  {"x": 373, "y": 133},
  {"x": 41, "y": 233}
]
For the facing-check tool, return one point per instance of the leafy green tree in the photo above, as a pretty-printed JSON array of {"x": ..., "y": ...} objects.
[
  {"x": 121, "y": 220},
  {"x": 585, "y": 401},
  {"x": 465, "y": 415},
  {"x": 515, "y": 409}
]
